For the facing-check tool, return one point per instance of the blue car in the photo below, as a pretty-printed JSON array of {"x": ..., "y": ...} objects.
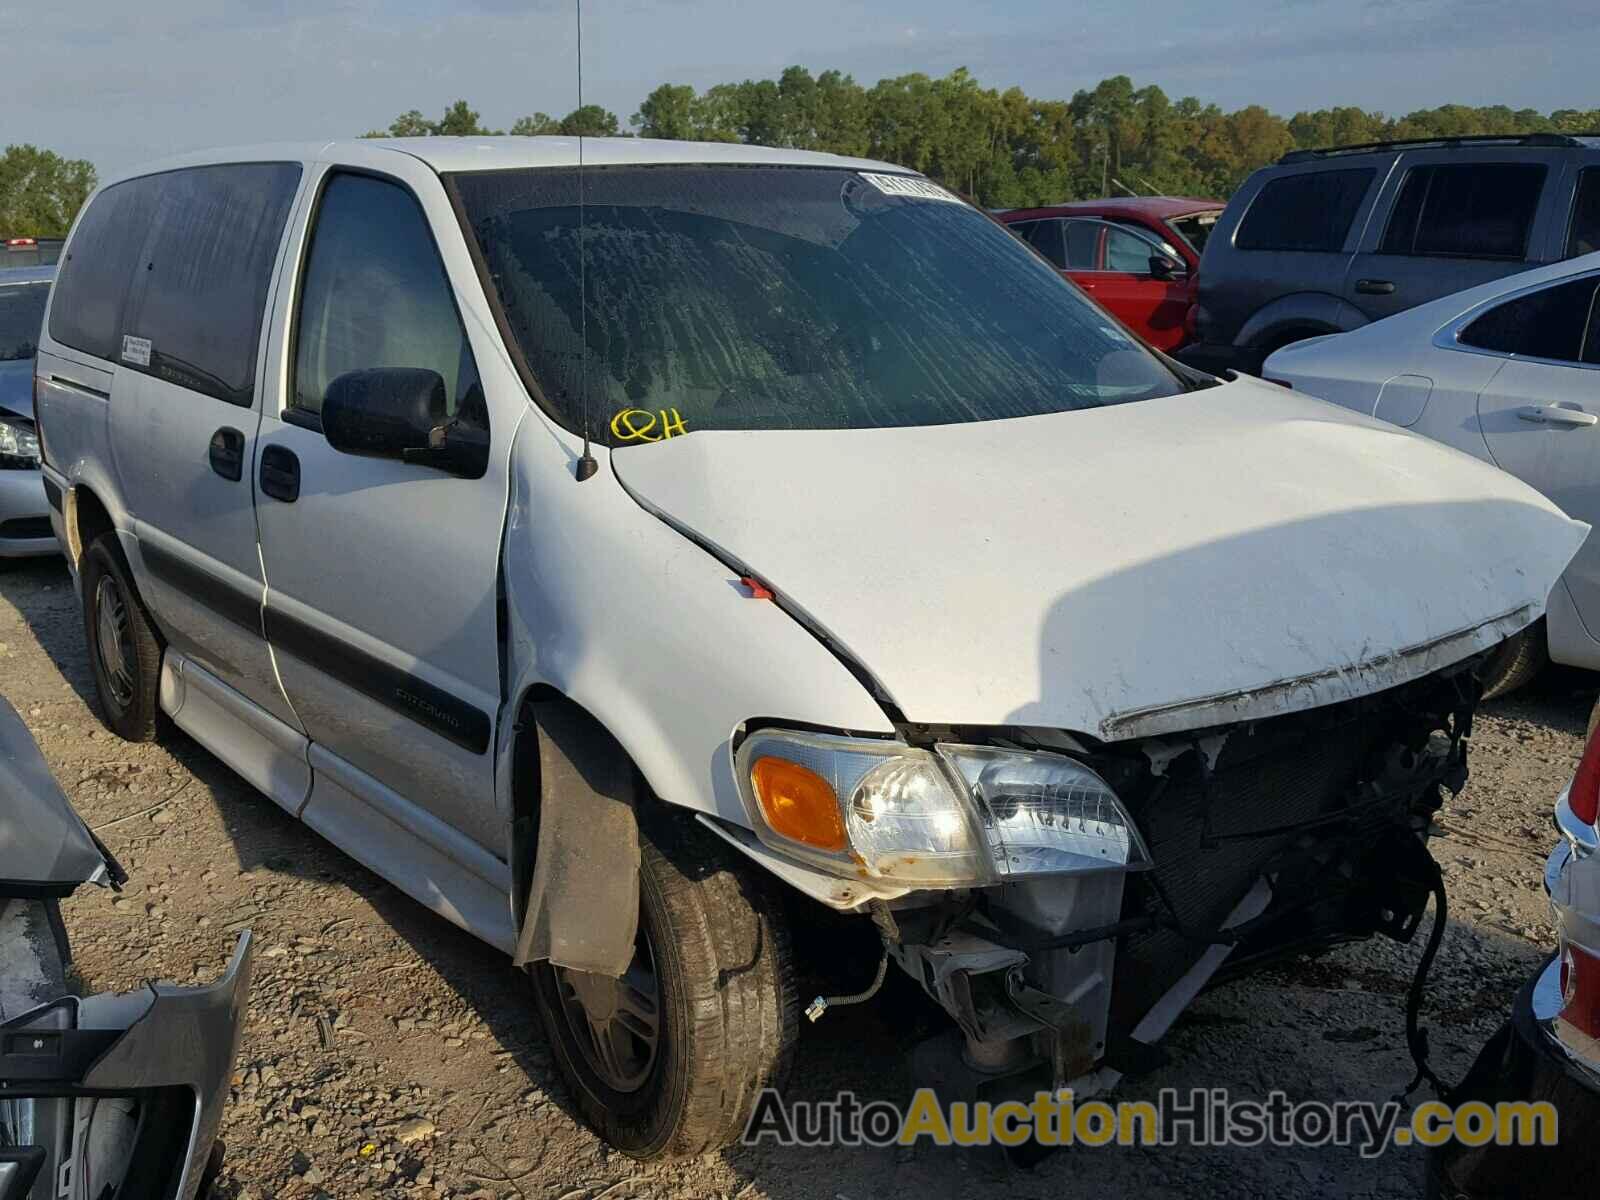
[{"x": 24, "y": 512}]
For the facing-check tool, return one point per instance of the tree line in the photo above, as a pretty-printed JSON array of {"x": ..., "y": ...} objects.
[
  {"x": 1006, "y": 148},
  {"x": 1002, "y": 148}
]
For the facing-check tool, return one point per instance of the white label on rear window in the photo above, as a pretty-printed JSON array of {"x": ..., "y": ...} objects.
[
  {"x": 136, "y": 350},
  {"x": 915, "y": 189}
]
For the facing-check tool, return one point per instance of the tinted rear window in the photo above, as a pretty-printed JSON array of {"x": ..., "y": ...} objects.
[
  {"x": 1465, "y": 210},
  {"x": 21, "y": 315},
  {"x": 1310, "y": 211},
  {"x": 1561, "y": 322},
  {"x": 208, "y": 264},
  {"x": 92, "y": 281}
]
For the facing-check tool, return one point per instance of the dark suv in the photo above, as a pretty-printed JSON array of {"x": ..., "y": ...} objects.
[{"x": 1328, "y": 240}]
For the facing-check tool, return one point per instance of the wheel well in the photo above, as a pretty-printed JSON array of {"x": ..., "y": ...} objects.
[{"x": 90, "y": 519}]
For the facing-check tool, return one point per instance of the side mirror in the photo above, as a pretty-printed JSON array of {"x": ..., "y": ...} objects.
[
  {"x": 399, "y": 412},
  {"x": 1162, "y": 267}
]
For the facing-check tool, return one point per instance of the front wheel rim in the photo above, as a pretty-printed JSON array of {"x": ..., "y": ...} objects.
[
  {"x": 114, "y": 640},
  {"x": 616, "y": 1023}
]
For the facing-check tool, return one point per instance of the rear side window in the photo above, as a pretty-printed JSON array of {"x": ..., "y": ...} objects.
[
  {"x": 1083, "y": 245},
  {"x": 1561, "y": 322},
  {"x": 1583, "y": 236},
  {"x": 92, "y": 280},
  {"x": 1045, "y": 237},
  {"x": 206, "y": 268},
  {"x": 1309, "y": 212},
  {"x": 1465, "y": 210}
]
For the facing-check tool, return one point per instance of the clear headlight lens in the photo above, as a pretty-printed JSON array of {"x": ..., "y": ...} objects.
[
  {"x": 1046, "y": 813},
  {"x": 855, "y": 806},
  {"x": 18, "y": 441},
  {"x": 965, "y": 815}
]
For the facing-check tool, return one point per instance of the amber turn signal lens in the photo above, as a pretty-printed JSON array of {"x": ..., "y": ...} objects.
[{"x": 798, "y": 803}]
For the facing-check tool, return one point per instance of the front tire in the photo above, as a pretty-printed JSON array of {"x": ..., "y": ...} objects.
[
  {"x": 124, "y": 648},
  {"x": 1517, "y": 662},
  {"x": 670, "y": 1060}
]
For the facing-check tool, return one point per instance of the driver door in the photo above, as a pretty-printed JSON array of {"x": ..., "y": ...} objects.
[{"x": 382, "y": 575}]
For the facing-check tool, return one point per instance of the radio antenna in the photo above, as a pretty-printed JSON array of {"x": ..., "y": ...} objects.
[{"x": 586, "y": 465}]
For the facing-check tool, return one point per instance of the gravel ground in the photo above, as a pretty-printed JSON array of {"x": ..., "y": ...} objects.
[{"x": 389, "y": 1054}]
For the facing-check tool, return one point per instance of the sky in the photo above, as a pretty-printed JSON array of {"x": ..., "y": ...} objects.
[{"x": 120, "y": 82}]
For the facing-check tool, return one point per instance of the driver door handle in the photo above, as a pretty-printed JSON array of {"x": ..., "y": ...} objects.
[
  {"x": 280, "y": 473},
  {"x": 1554, "y": 414}
]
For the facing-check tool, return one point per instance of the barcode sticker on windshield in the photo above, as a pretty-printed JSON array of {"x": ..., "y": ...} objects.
[
  {"x": 911, "y": 188},
  {"x": 136, "y": 350}
]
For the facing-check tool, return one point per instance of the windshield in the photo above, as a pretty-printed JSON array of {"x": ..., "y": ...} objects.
[
  {"x": 786, "y": 298},
  {"x": 1195, "y": 228},
  {"x": 21, "y": 316}
]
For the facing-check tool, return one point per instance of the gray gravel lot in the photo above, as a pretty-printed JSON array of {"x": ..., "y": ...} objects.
[{"x": 388, "y": 1054}]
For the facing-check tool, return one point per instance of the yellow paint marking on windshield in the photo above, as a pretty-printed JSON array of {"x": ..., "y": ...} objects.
[{"x": 642, "y": 425}]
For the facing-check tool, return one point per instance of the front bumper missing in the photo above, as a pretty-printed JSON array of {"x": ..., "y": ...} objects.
[{"x": 169, "y": 1049}]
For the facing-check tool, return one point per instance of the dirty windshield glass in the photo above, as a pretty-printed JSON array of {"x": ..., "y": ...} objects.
[
  {"x": 785, "y": 298},
  {"x": 21, "y": 315}
]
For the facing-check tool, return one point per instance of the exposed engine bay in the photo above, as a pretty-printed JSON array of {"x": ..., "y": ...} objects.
[{"x": 1264, "y": 838}]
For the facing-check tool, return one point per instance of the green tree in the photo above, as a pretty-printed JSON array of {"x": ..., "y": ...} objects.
[
  {"x": 41, "y": 192},
  {"x": 667, "y": 112},
  {"x": 590, "y": 121},
  {"x": 539, "y": 124}
]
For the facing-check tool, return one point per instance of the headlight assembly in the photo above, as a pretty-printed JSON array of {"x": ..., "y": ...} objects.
[
  {"x": 948, "y": 817},
  {"x": 19, "y": 444}
]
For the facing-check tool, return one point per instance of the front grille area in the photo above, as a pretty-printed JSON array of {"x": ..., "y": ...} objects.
[
  {"x": 26, "y": 527},
  {"x": 1286, "y": 772}
]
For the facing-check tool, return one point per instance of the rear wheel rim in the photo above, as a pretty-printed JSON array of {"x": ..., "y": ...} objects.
[
  {"x": 616, "y": 1023},
  {"x": 114, "y": 640}
]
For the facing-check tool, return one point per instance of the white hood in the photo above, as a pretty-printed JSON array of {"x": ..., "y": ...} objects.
[{"x": 1125, "y": 571}]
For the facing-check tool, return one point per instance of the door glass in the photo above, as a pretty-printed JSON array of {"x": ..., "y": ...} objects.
[
  {"x": 1082, "y": 237},
  {"x": 375, "y": 295},
  {"x": 1556, "y": 323},
  {"x": 1127, "y": 252},
  {"x": 1045, "y": 237},
  {"x": 207, "y": 267},
  {"x": 1584, "y": 235},
  {"x": 1311, "y": 211},
  {"x": 21, "y": 315},
  {"x": 1465, "y": 210}
]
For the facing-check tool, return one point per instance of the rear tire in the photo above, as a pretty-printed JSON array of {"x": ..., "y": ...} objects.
[
  {"x": 726, "y": 1022},
  {"x": 1517, "y": 662},
  {"x": 124, "y": 648}
]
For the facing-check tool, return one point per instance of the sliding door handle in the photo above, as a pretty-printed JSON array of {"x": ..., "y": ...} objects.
[{"x": 227, "y": 453}]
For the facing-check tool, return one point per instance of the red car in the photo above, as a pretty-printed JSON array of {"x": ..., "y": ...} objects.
[{"x": 1139, "y": 256}]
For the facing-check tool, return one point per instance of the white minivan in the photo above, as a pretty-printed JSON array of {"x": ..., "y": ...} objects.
[{"x": 632, "y": 555}]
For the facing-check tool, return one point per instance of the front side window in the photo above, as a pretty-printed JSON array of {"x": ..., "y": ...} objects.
[
  {"x": 785, "y": 298},
  {"x": 375, "y": 294},
  {"x": 1128, "y": 252},
  {"x": 1583, "y": 236},
  {"x": 1308, "y": 212},
  {"x": 201, "y": 292},
  {"x": 1465, "y": 210},
  {"x": 1561, "y": 323},
  {"x": 21, "y": 316}
]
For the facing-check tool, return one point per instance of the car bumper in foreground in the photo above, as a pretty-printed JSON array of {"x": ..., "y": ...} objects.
[
  {"x": 1522, "y": 1062},
  {"x": 25, "y": 530}
]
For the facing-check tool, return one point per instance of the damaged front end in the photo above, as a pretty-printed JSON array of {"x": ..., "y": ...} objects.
[{"x": 1246, "y": 842}]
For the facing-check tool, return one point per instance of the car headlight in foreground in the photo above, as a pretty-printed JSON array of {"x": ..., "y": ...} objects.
[
  {"x": 19, "y": 444},
  {"x": 951, "y": 816}
]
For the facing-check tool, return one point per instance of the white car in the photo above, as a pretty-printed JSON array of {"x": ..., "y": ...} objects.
[
  {"x": 629, "y": 560},
  {"x": 1510, "y": 373}
]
